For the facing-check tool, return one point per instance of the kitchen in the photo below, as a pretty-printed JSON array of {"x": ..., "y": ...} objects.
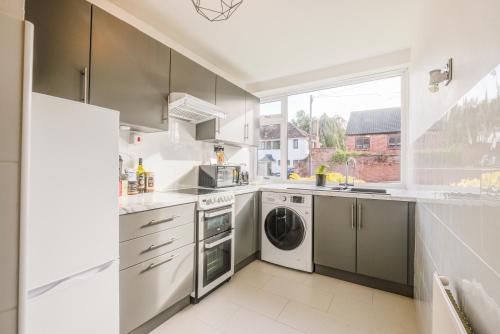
[{"x": 171, "y": 175}]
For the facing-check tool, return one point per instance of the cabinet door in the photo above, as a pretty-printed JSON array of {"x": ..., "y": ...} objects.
[
  {"x": 231, "y": 99},
  {"x": 335, "y": 232},
  {"x": 186, "y": 76},
  {"x": 252, "y": 120},
  {"x": 152, "y": 286},
  {"x": 130, "y": 72},
  {"x": 244, "y": 227},
  {"x": 383, "y": 239},
  {"x": 61, "y": 46}
]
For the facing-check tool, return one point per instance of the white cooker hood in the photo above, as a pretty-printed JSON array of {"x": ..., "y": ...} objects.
[{"x": 189, "y": 108}]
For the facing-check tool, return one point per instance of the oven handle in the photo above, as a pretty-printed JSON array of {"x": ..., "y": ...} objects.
[
  {"x": 217, "y": 213},
  {"x": 218, "y": 242}
]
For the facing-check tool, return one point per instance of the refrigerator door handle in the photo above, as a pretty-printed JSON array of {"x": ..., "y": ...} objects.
[{"x": 33, "y": 293}]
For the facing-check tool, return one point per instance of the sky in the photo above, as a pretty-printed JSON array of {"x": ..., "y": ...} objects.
[{"x": 385, "y": 93}]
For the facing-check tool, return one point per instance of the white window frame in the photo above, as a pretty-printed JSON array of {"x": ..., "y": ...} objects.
[{"x": 346, "y": 81}]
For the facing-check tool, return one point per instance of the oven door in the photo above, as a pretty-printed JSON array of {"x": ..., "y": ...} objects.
[
  {"x": 213, "y": 222},
  {"x": 215, "y": 261}
]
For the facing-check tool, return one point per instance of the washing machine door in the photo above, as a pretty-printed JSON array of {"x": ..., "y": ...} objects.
[{"x": 284, "y": 228}]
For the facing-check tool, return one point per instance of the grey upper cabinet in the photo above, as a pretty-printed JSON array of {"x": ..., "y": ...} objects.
[
  {"x": 232, "y": 99},
  {"x": 335, "y": 232},
  {"x": 186, "y": 76},
  {"x": 252, "y": 126},
  {"x": 246, "y": 229},
  {"x": 129, "y": 73},
  {"x": 61, "y": 46},
  {"x": 382, "y": 244}
]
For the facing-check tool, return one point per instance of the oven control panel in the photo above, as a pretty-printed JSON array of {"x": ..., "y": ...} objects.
[{"x": 215, "y": 200}]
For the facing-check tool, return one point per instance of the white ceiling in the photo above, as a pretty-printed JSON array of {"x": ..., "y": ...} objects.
[{"x": 268, "y": 39}]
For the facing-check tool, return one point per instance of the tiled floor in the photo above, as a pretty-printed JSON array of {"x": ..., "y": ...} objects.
[{"x": 264, "y": 298}]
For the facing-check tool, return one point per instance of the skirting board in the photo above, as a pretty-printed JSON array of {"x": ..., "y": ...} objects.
[
  {"x": 246, "y": 262},
  {"x": 376, "y": 283},
  {"x": 151, "y": 324}
]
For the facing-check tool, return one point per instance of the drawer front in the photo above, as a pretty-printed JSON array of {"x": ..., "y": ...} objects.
[
  {"x": 149, "y": 246},
  {"x": 152, "y": 286},
  {"x": 139, "y": 224}
]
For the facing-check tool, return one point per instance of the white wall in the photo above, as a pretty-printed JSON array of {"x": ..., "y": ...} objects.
[
  {"x": 174, "y": 155},
  {"x": 11, "y": 39},
  {"x": 455, "y": 237},
  {"x": 14, "y": 8}
]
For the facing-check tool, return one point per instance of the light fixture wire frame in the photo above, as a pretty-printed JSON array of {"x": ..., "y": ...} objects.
[{"x": 224, "y": 14}]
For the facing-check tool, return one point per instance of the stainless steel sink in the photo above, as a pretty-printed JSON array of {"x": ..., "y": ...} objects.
[
  {"x": 368, "y": 190},
  {"x": 357, "y": 190}
]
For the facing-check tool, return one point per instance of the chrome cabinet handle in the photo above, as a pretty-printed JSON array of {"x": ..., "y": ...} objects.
[
  {"x": 160, "y": 221},
  {"x": 352, "y": 217},
  {"x": 154, "y": 265},
  {"x": 360, "y": 218},
  {"x": 218, "y": 242},
  {"x": 217, "y": 213},
  {"x": 85, "y": 75},
  {"x": 153, "y": 246}
]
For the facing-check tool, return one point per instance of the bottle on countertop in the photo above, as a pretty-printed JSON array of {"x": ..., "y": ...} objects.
[{"x": 141, "y": 177}]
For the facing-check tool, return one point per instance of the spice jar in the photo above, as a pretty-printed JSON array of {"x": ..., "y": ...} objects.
[{"x": 150, "y": 182}]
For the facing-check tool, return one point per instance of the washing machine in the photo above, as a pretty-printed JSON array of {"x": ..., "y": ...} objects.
[{"x": 287, "y": 230}]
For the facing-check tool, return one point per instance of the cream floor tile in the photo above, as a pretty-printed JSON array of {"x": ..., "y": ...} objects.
[
  {"x": 183, "y": 323},
  {"x": 254, "y": 278},
  {"x": 312, "y": 321},
  {"x": 248, "y": 322},
  {"x": 278, "y": 271},
  {"x": 263, "y": 298},
  {"x": 213, "y": 310},
  {"x": 309, "y": 295},
  {"x": 252, "y": 298}
]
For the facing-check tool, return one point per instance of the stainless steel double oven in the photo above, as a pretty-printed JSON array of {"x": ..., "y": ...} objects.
[{"x": 215, "y": 246}]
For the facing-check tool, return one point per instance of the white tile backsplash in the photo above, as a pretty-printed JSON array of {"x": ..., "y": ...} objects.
[
  {"x": 452, "y": 149},
  {"x": 174, "y": 155}
]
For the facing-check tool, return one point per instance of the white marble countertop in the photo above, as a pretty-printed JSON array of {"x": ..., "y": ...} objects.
[
  {"x": 393, "y": 194},
  {"x": 156, "y": 200},
  {"x": 150, "y": 201}
]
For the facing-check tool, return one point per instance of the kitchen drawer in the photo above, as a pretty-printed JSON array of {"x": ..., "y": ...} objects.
[
  {"x": 153, "y": 286},
  {"x": 139, "y": 224},
  {"x": 149, "y": 246}
]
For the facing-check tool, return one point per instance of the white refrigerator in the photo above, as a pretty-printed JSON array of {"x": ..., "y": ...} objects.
[{"x": 69, "y": 214}]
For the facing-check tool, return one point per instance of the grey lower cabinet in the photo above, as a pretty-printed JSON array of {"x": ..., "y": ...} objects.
[
  {"x": 189, "y": 77},
  {"x": 382, "y": 244},
  {"x": 61, "y": 47},
  {"x": 247, "y": 227},
  {"x": 335, "y": 232},
  {"x": 157, "y": 252},
  {"x": 130, "y": 72},
  {"x": 363, "y": 236}
]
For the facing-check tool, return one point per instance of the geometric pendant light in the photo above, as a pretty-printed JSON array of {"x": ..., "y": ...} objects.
[{"x": 216, "y": 10}]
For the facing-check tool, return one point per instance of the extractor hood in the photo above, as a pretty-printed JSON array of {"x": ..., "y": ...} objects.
[{"x": 189, "y": 108}]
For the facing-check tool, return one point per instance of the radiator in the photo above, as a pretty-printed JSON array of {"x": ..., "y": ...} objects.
[{"x": 447, "y": 317}]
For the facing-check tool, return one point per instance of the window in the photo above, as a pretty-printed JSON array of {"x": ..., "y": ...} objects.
[
  {"x": 394, "y": 142},
  {"x": 328, "y": 126},
  {"x": 269, "y": 153},
  {"x": 363, "y": 143}
]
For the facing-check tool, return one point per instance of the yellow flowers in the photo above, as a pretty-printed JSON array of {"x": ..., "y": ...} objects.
[
  {"x": 331, "y": 177},
  {"x": 488, "y": 181}
]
